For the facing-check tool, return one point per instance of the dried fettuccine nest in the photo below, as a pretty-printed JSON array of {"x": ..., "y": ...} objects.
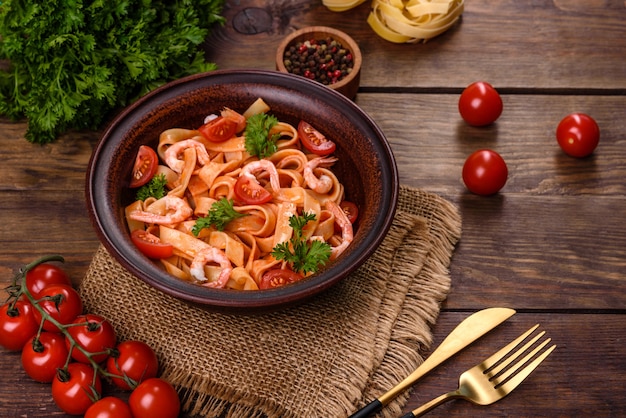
[
  {"x": 402, "y": 21},
  {"x": 341, "y": 5}
]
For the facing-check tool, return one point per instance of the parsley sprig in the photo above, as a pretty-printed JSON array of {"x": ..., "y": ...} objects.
[
  {"x": 259, "y": 142},
  {"x": 220, "y": 214},
  {"x": 154, "y": 188},
  {"x": 302, "y": 255}
]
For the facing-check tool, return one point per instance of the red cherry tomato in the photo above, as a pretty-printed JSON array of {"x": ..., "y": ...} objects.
[
  {"x": 42, "y": 357},
  {"x": 93, "y": 333},
  {"x": 578, "y": 134},
  {"x": 350, "y": 209},
  {"x": 219, "y": 129},
  {"x": 146, "y": 164},
  {"x": 109, "y": 407},
  {"x": 150, "y": 245},
  {"x": 44, "y": 275},
  {"x": 278, "y": 277},
  {"x": 485, "y": 172},
  {"x": 68, "y": 308},
  {"x": 249, "y": 192},
  {"x": 238, "y": 118},
  {"x": 134, "y": 360},
  {"x": 480, "y": 104},
  {"x": 17, "y": 324},
  {"x": 313, "y": 140},
  {"x": 154, "y": 398},
  {"x": 74, "y": 388}
]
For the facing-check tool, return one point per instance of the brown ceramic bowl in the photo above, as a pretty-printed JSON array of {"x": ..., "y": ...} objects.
[
  {"x": 366, "y": 167},
  {"x": 349, "y": 85}
]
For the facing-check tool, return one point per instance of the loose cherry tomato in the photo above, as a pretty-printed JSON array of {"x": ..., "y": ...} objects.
[
  {"x": 578, "y": 135},
  {"x": 93, "y": 333},
  {"x": 69, "y": 305},
  {"x": 75, "y": 388},
  {"x": 134, "y": 360},
  {"x": 313, "y": 140},
  {"x": 485, "y": 172},
  {"x": 278, "y": 277},
  {"x": 219, "y": 129},
  {"x": 249, "y": 192},
  {"x": 480, "y": 104},
  {"x": 44, "y": 275},
  {"x": 150, "y": 245},
  {"x": 109, "y": 407},
  {"x": 17, "y": 324},
  {"x": 146, "y": 164},
  {"x": 154, "y": 398},
  {"x": 41, "y": 357}
]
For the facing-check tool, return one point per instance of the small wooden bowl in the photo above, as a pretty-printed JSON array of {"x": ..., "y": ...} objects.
[{"x": 349, "y": 85}]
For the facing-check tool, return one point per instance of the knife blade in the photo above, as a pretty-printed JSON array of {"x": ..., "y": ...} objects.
[{"x": 469, "y": 330}]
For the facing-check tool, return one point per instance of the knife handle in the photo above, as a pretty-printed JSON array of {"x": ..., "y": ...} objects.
[{"x": 369, "y": 409}]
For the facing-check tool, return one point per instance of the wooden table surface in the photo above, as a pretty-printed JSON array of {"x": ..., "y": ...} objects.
[{"x": 551, "y": 244}]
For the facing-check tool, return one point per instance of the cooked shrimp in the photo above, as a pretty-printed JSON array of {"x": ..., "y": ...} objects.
[
  {"x": 323, "y": 183},
  {"x": 211, "y": 255},
  {"x": 346, "y": 229},
  {"x": 174, "y": 150},
  {"x": 259, "y": 166},
  {"x": 177, "y": 210}
]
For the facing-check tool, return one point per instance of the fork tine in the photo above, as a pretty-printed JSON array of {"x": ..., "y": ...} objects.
[
  {"x": 493, "y": 359},
  {"x": 525, "y": 372},
  {"x": 491, "y": 373},
  {"x": 514, "y": 368}
]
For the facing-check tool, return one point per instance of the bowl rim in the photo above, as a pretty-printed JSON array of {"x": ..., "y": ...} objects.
[{"x": 115, "y": 240}]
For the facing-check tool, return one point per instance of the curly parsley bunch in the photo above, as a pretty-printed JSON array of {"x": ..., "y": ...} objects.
[{"x": 68, "y": 63}]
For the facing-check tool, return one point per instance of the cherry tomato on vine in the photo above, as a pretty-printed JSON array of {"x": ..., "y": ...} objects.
[
  {"x": 146, "y": 164},
  {"x": 43, "y": 356},
  {"x": 485, "y": 172},
  {"x": 313, "y": 140},
  {"x": 578, "y": 134},
  {"x": 154, "y": 398},
  {"x": 135, "y": 360},
  {"x": 480, "y": 104},
  {"x": 249, "y": 192},
  {"x": 93, "y": 333},
  {"x": 17, "y": 324},
  {"x": 75, "y": 388},
  {"x": 150, "y": 245},
  {"x": 109, "y": 407},
  {"x": 69, "y": 305},
  {"x": 278, "y": 277},
  {"x": 219, "y": 129},
  {"x": 43, "y": 275}
]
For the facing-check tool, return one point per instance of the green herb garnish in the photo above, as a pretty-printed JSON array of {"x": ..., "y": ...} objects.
[
  {"x": 220, "y": 214},
  {"x": 259, "y": 142},
  {"x": 304, "y": 256},
  {"x": 154, "y": 188}
]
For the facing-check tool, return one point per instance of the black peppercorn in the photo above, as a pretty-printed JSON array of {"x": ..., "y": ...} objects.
[{"x": 322, "y": 60}]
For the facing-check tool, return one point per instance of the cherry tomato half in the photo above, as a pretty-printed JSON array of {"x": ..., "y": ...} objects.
[
  {"x": 313, "y": 140},
  {"x": 150, "y": 245},
  {"x": 134, "y": 360},
  {"x": 154, "y": 398},
  {"x": 249, "y": 192},
  {"x": 109, "y": 407},
  {"x": 17, "y": 324},
  {"x": 578, "y": 135},
  {"x": 219, "y": 129},
  {"x": 480, "y": 104},
  {"x": 238, "y": 118},
  {"x": 69, "y": 305},
  {"x": 278, "y": 277},
  {"x": 42, "y": 357},
  {"x": 73, "y": 389},
  {"x": 93, "y": 333},
  {"x": 44, "y": 275},
  {"x": 146, "y": 164},
  {"x": 485, "y": 172}
]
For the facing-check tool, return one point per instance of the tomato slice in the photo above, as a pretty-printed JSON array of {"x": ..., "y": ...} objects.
[
  {"x": 219, "y": 129},
  {"x": 250, "y": 192},
  {"x": 146, "y": 164},
  {"x": 278, "y": 277},
  {"x": 238, "y": 118},
  {"x": 313, "y": 140},
  {"x": 351, "y": 210},
  {"x": 150, "y": 245}
]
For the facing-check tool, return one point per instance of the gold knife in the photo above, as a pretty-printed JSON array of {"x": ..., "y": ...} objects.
[{"x": 472, "y": 328}]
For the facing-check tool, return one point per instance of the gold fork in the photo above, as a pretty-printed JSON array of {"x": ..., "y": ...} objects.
[{"x": 495, "y": 377}]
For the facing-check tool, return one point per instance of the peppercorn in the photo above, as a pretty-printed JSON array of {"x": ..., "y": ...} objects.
[{"x": 322, "y": 60}]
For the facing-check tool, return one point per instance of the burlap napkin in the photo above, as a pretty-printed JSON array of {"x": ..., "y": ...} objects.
[{"x": 324, "y": 358}]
